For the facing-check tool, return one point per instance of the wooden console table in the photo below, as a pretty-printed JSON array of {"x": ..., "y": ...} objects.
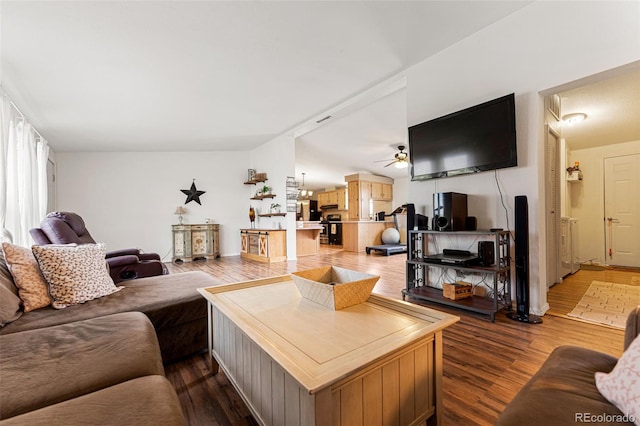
[
  {"x": 199, "y": 241},
  {"x": 295, "y": 362}
]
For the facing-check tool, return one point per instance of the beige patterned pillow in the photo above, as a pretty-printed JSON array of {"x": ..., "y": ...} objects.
[
  {"x": 32, "y": 287},
  {"x": 75, "y": 273}
]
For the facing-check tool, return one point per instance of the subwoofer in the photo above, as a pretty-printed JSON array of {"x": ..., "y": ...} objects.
[
  {"x": 486, "y": 253},
  {"x": 449, "y": 211},
  {"x": 522, "y": 262}
]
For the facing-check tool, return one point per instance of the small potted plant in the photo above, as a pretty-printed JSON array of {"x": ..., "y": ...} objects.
[
  {"x": 275, "y": 208},
  {"x": 266, "y": 190}
]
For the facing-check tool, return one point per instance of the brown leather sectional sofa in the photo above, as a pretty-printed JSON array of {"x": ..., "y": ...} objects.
[
  {"x": 176, "y": 310},
  {"x": 105, "y": 370},
  {"x": 564, "y": 392},
  {"x": 101, "y": 362}
]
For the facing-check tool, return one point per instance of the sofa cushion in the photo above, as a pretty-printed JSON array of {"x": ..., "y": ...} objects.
[
  {"x": 171, "y": 302},
  {"x": 10, "y": 303},
  {"x": 32, "y": 287},
  {"x": 562, "y": 389},
  {"x": 622, "y": 386},
  {"x": 49, "y": 365},
  {"x": 75, "y": 273},
  {"x": 149, "y": 400}
]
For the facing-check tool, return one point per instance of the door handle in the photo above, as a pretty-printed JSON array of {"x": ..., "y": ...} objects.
[{"x": 613, "y": 220}]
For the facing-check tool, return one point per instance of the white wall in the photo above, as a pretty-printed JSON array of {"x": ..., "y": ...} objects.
[
  {"x": 400, "y": 191},
  {"x": 127, "y": 199},
  {"x": 277, "y": 159},
  {"x": 587, "y": 197},
  {"x": 537, "y": 48}
]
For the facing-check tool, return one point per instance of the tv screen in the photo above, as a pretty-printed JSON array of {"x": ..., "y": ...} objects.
[{"x": 475, "y": 139}]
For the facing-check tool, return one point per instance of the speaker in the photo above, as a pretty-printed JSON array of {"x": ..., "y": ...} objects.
[
  {"x": 486, "y": 253},
  {"x": 449, "y": 211},
  {"x": 522, "y": 262},
  {"x": 411, "y": 218},
  {"x": 422, "y": 222},
  {"x": 470, "y": 223}
]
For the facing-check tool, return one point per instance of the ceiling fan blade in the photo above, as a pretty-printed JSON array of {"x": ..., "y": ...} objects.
[
  {"x": 393, "y": 162},
  {"x": 382, "y": 161}
]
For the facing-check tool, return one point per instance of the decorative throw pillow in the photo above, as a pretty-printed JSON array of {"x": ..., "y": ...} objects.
[
  {"x": 75, "y": 273},
  {"x": 621, "y": 387},
  {"x": 10, "y": 309},
  {"x": 32, "y": 287}
]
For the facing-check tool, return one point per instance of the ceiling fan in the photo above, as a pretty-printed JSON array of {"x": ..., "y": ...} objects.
[{"x": 401, "y": 159}]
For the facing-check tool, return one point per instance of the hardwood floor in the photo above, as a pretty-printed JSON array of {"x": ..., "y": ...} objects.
[
  {"x": 485, "y": 364},
  {"x": 564, "y": 296}
]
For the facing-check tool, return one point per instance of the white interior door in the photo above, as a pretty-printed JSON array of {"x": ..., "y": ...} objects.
[
  {"x": 552, "y": 206},
  {"x": 622, "y": 210}
]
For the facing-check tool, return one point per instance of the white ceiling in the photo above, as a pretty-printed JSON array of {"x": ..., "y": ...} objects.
[
  {"x": 612, "y": 106},
  {"x": 354, "y": 144},
  {"x": 215, "y": 75},
  {"x": 211, "y": 75}
]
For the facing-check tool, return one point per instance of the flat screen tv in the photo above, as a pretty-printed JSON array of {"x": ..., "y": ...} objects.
[{"x": 473, "y": 140}]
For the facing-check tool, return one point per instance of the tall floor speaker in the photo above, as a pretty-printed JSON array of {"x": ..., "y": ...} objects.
[{"x": 522, "y": 263}]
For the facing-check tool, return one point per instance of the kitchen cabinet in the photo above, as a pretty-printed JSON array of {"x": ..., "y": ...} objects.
[
  {"x": 358, "y": 235},
  {"x": 195, "y": 242},
  {"x": 353, "y": 188},
  {"x": 323, "y": 199},
  {"x": 361, "y": 193},
  {"x": 381, "y": 191},
  {"x": 336, "y": 198},
  {"x": 263, "y": 245}
]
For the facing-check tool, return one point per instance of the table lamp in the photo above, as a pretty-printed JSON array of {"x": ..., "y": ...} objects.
[{"x": 180, "y": 211}]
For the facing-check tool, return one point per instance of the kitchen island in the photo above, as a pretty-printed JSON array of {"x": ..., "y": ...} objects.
[
  {"x": 308, "y": 238},
  {"x": 358, "y": 234}
]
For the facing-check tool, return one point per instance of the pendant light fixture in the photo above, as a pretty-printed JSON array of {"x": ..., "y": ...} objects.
[{"x": 303, "y": 192}]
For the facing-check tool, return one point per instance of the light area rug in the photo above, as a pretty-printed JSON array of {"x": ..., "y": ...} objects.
[{"x": 607, "y": 303}]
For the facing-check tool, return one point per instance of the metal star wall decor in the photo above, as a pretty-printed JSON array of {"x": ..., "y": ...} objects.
[{"x": 192, "y": 194}]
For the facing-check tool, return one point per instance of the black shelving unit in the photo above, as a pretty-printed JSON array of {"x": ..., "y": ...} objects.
[{"x": 417, "y": 285}]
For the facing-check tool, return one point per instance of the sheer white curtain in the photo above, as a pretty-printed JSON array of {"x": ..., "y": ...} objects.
[{"x": 23, "y": 175}]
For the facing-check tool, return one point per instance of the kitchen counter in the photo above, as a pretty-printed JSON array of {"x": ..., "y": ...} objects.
[
  {"x": 359, "y": 234},
  {"x": 308, "y": 240}
]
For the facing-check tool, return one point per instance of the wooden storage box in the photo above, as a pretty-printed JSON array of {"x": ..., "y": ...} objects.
[
  {"x": 457, "y": 291},
  {"x": 260, "y": 177},
  {"x": 333, "y": 287}
]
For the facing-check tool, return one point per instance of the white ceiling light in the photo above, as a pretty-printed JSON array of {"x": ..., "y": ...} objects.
[
  {"x": 303, "y": 191},
  {"x": 402, "y": 164},
  {"x": 574, "y": 118}
]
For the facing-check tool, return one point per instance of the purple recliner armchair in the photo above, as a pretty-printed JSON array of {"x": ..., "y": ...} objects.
[{"x": 69, "y": 228}]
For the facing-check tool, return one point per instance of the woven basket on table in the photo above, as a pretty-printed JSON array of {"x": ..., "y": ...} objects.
[{"x": 334, "y": 287}]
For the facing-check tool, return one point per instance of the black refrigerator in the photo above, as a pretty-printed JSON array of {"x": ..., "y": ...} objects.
[{"x": 314, "y": 213}]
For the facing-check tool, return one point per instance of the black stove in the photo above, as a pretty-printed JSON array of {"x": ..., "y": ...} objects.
[{"x": 332, "y": 230}]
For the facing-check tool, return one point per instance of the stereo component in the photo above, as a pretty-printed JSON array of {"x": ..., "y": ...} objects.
[
  {"x": 522, "y": 263},
  {"x": 486, "y": 253},
  {"x": 449, "y": 211}
]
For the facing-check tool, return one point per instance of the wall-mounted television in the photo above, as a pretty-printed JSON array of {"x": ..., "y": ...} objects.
[{"x": 476, "y": 139}]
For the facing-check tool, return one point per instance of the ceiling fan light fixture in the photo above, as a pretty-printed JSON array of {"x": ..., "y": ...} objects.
[
  {"x": 574, "y": 118},
  {"x": 401, "y": 164}
]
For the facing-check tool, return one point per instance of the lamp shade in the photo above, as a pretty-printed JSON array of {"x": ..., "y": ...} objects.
[{"x": 180, "y": 210}]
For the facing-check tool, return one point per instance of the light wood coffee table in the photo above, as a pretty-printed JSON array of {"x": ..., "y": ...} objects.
[{"x": 295, "y": 362}]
